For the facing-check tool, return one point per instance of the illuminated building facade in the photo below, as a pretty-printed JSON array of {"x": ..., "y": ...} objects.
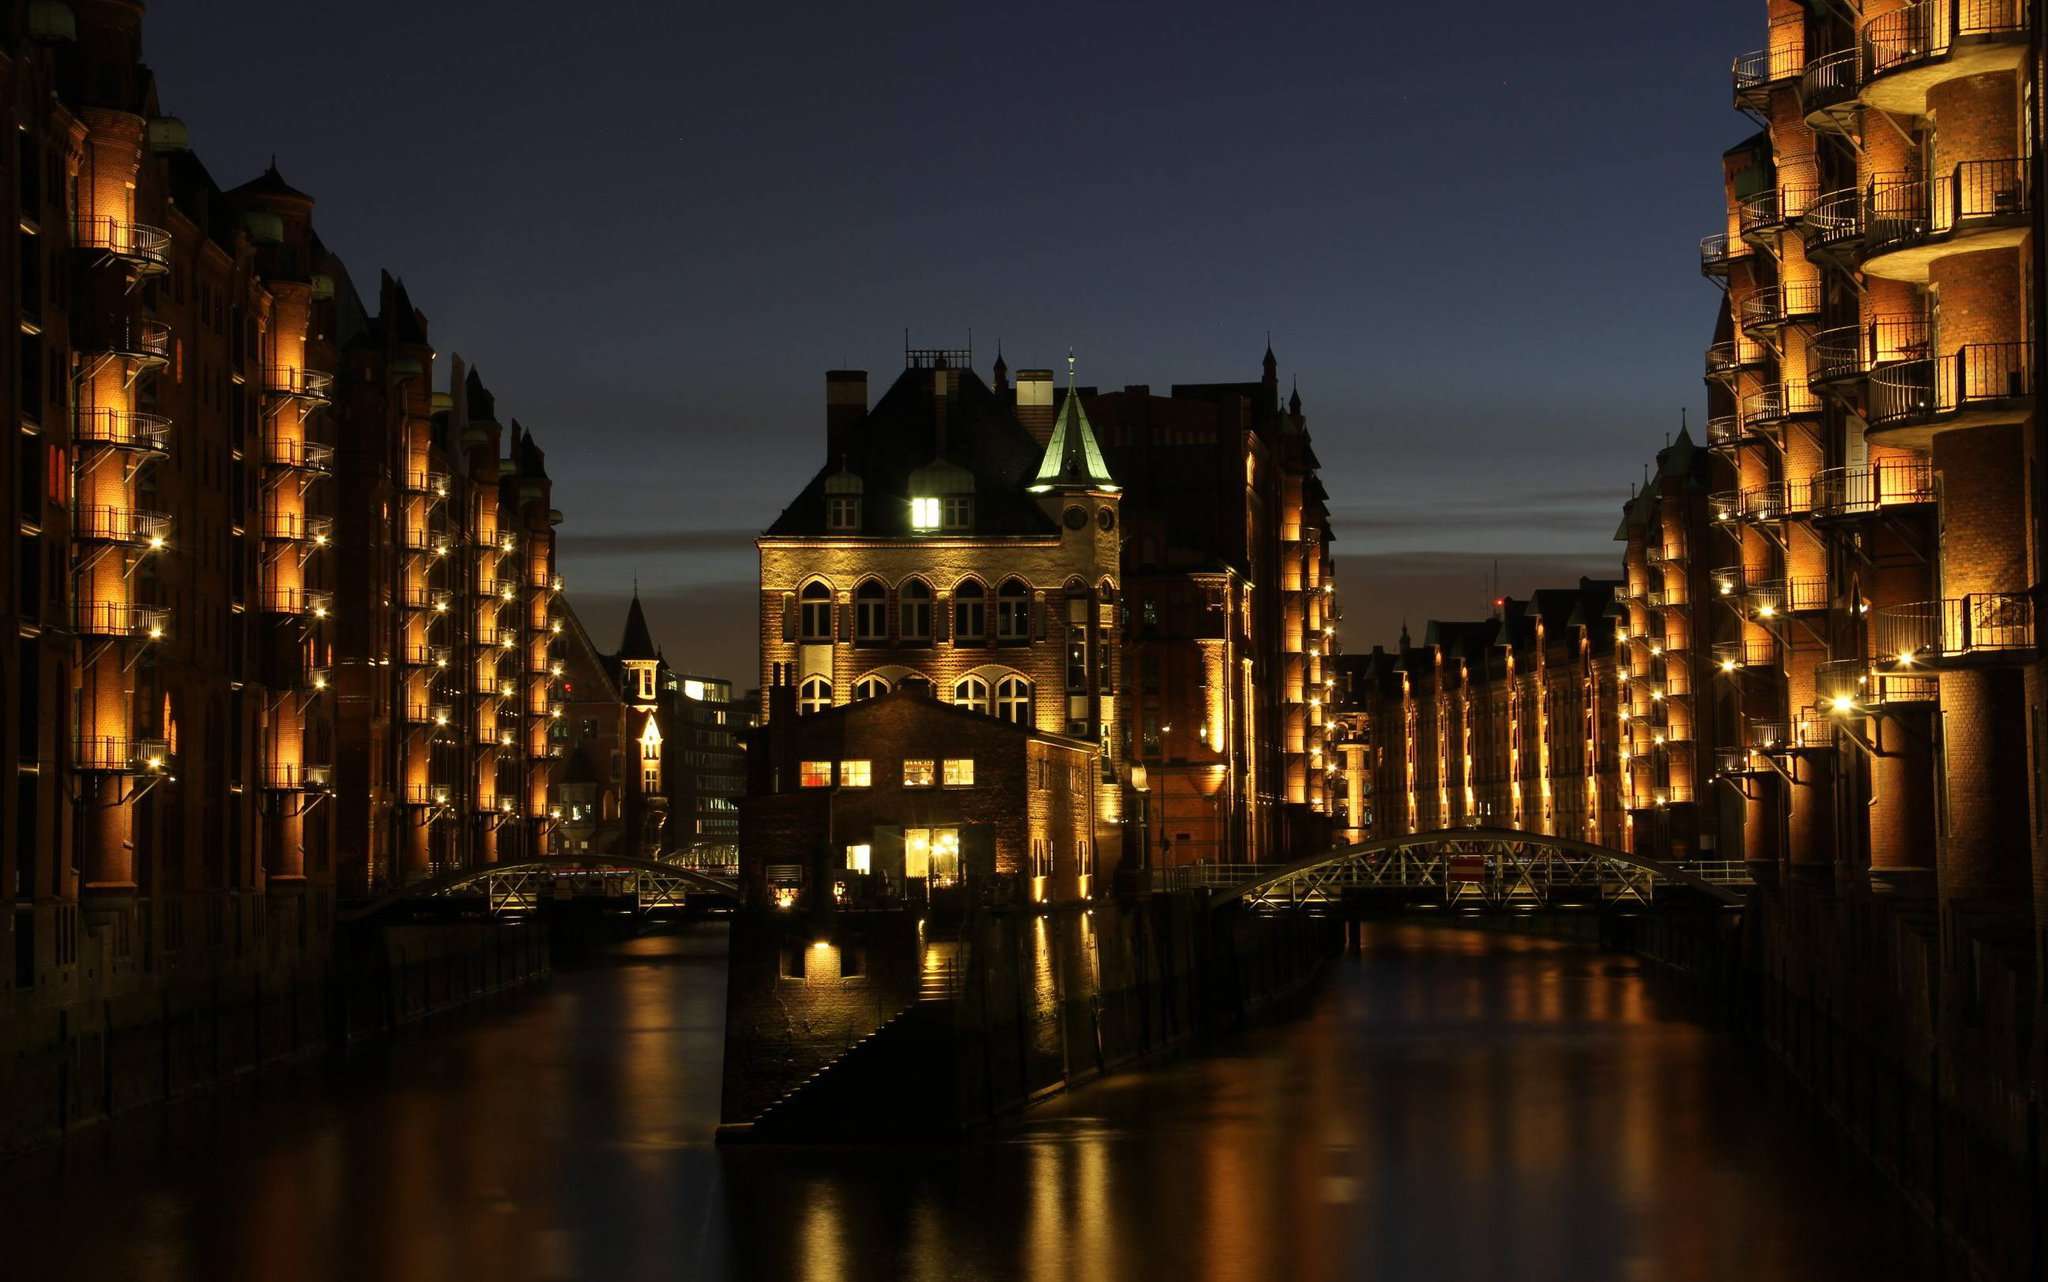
[
  {"x": 1231, "y": 593},
  {"x": 222, "y": 571},
  {"x": 962, "y": 539},
  {"x": 1508, "y": 722}
]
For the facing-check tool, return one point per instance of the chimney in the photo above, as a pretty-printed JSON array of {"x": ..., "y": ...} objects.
[
  {"x": 1034, "y": 403},
  {"x": 846, "y": 404}
]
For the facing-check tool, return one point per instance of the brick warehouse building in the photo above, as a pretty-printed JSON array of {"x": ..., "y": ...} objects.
[
  {"x": 1874, "y": 382},
  {"x": 201, "y": 585},
  {"x": 1514, "y": 721}
]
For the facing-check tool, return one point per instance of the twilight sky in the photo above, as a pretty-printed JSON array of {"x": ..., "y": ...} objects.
[{"x": 653, "y": 224}]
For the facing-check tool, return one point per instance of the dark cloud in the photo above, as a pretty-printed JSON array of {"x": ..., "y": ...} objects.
[{"x": 579, "y": 543}]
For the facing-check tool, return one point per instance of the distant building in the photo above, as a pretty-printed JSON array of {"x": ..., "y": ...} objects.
[{"x": 654, "y": 766}]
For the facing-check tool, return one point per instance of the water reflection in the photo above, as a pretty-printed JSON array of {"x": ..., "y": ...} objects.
[{"x": 1455, "y": 1106}]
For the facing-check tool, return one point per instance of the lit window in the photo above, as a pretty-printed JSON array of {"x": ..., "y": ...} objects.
[
  {"x": 815, "y": 695},
  {"x": 647, "y": 683},
  {"x": 817, "y": 612},
  {"x": 970, "y": 693},
  {"x": 924, "y": 514},
  {"x": 918, "y": 772},
  {"x": 870, "y": 687},
  {"x": 855, "y": 774},
  {"x": 917, "y": 852},
  {"x": 1013, "y": 700},
  {"x": 959, "y": 771},
  {"x": 816, "y": 774},
  {"x": 860, "y": 858}
]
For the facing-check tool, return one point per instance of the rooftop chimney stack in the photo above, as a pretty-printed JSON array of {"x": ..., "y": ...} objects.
[
  {"x": 1034, "y": 403},
  {"x": 846, "y": 405}
]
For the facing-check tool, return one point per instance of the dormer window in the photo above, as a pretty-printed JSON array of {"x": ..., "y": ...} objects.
[
  {"x": 925, "y": 514},
  {"x": 957, "y": 511},
  {"x": 842, "y": 512}
]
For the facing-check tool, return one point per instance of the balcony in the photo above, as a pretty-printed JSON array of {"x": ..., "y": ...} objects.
[
  {"x": 1756, "y": 73},
  {"x": 1762, "y": 216},
  {"x": 298, "y": 527},
  {"x": 1764, "y": 502},
  {"x": 1979, "y": 628},
  {"x": 1725, "y": 432},
  {"x": 297, "y": 454},
  {"x": 120, "y": 429},
  {"x": 1727, "y": 359},
  {"x": 119, "y": 619},
  {"x": 142, "y": 249},
  {"x": 427, "y": 656},
  {"x": 1828, "y": 88},
  {"x": 1909, "y": 51},
  {"x": 1853, "y": 685},
  {"x": 1733, "y": 656},
  {"x": 1909, "y": 222},
  {"x": 1776, "y": 306},
  {"x": 132, "y": 526},
  {"x": 498, "y": 589},
  {"x": 427, "y": 794},
  {"x": 108, "y": 754},
  {"x": 281, "y": 776},
  {"x": 316, "y": 603},
  {"x": 1719, "y": 252},
  {"x": 290, "y": 382},
  {"x": 1833, "y": 224},
  {"x": 419, "y": 713},
  {"x": 1980, "y": 384},
  {"x": 429, "y": 483},
  {"x": 1846, "y": 492},
  {"x": 1770, "y": 408},
  {"x": 1724, "y": 507},
  {"x": 143, "y": 344}
]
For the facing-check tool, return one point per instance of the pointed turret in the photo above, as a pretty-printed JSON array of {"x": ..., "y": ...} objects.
[
  {"x": 1002, "y": 369},
  {"x": 1294, "y": 401},
  {"x": 638, "y": 642},
  {"x": 1073, "y": 459}
]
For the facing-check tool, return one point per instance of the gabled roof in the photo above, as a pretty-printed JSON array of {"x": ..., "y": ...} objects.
[
  {"x": 918, "y": 421},
  {"x": 637, "y": 642},
  {"x": 271, "y": 183},
  {"x": 1072, "y": 456}
]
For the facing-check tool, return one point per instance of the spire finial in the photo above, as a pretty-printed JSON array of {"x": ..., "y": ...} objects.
[{"x": 1070, "y": 369}]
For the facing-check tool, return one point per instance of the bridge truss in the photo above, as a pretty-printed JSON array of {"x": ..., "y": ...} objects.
[
  {"x": 1468, "y": 867},
  {"x": 653, "y": 885}
]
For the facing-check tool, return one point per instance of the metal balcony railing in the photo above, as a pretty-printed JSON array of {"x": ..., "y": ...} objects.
[
  {"x": 1929, "y": 30},
  {"x": 1831, "y": 80},
  {"x": 427, "y": 482},
  {"x": 1719, "y": 251},
  {"x": 1724, "y": 431},
  {"x": 1772, "y": 405},
  {"x": 1848, "y": 685},
  {"x": 1768, "y": 736},
  {"x": 1777, "y": 305},
  {"x": 498, "y": 589},
  {"x": 316, "y": 602},
  {"x": 1856, "y": 491},
  {"x": 1764, "y": 502},
  {"x": 1977, "y": 625},
  {"x": 121, "y": 525},
  {"x": 115, "y": 754},
  {"x": 119, "y": 619},
  {"x": 427, "y": 656},
  {"x": 1725, "y": 506},
  {"x": 299, "y": 454},
  {"x": 1731, "y": 581},
  {"x": 1833, "y": 220},
  {"x": 144, "y": 342},
  {"x": 298, "y": 527},
  {"x": 141, "y": 246},
  {"x": 292, "y": 776},
  {"x": 1756, "y": 73},
  {"x": 1746, "y": 653},
  {"x": 1976, "y": 377},
  {"x": 120, "y": 429},
  {"x": 1901, "y": 211},
  {"x": 427, "y": 794},
  {"x": 297, "y": 383}
]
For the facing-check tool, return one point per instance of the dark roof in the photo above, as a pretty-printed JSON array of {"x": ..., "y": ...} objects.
[
  {"x": 482, "y": 406},
  {"x": 271, "y": 183},
  {"x": 1072, "y": 456},
  {"x": 638, "y": 642},
  {"x": 905, "y": 431}
]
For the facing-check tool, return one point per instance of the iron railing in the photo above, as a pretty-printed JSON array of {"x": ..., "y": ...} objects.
[
  {"x": 1976, "y": 624},
  {"x": 138, "y": 243},
  {"x": 119, "y": 754},
  {"x": 1854, "y": 491},
  {"x": 119, "y": 619},
  {"x": 1976, "y": 375},
  {"x": 1719, "y": 251},
  {"x": 1746, "y": 653},
  {"x": 292, "y": 776},
  {"x": 1927, "y": 30},
  {"x": 1778, "y": 402},
  {"x": 120, "y": 525},
  {"x": 293, "y": 381},
  {"x": 297, "y": 527},
  {"x": 299, "y": 454},
  {"x": 317, "y": 602},
  {"x": 1724, "y": 431},
  {"x": 1901, "y": 211},
  {"x": 1834, "y": 219},
  {"x": 120, "y": 429},
  {"x": 1831, "y": 80},
  {"x": 1776, "y": 305}
]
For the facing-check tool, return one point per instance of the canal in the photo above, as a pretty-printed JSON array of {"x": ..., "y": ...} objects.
[{"x": 1455, "y": 1105}]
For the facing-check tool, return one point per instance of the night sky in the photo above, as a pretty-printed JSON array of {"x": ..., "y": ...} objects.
[{"x": 1471, "y": 229}]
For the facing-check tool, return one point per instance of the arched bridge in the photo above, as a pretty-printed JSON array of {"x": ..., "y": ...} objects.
[
  {"x": 523, "y": 886},
  {"x": 1474, "y": 867}
]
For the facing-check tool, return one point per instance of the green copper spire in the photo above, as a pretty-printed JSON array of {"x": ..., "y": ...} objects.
[{"x": 1072, "y": 457}]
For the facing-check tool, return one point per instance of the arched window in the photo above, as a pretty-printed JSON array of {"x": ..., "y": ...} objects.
[
  {"x": 870, "y": 687},
  {"x": 915, "y": 604},
  {"x": 1013, "y": 700},
  {"x": 970, "y": 613},
  {"x": 817, "y": 611},
  {"x": 871, "y": 613},
  {"x": 971, "y": 693},
  {"x": 814, "y": 695},
  {"x": 1013, "y": 611}
]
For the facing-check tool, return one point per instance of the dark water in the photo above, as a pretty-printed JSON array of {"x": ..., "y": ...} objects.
[{"x": 1454, "y": 1106}]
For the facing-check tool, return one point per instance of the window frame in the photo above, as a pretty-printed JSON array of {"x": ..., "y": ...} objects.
[
  {"x": 813, "y": 695},
  {"x": 814, "y": 604},
  {"x": 920, "y": 772},
  {"x": 972, "y": 694},
  {"x": 960, "y": 777}
]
